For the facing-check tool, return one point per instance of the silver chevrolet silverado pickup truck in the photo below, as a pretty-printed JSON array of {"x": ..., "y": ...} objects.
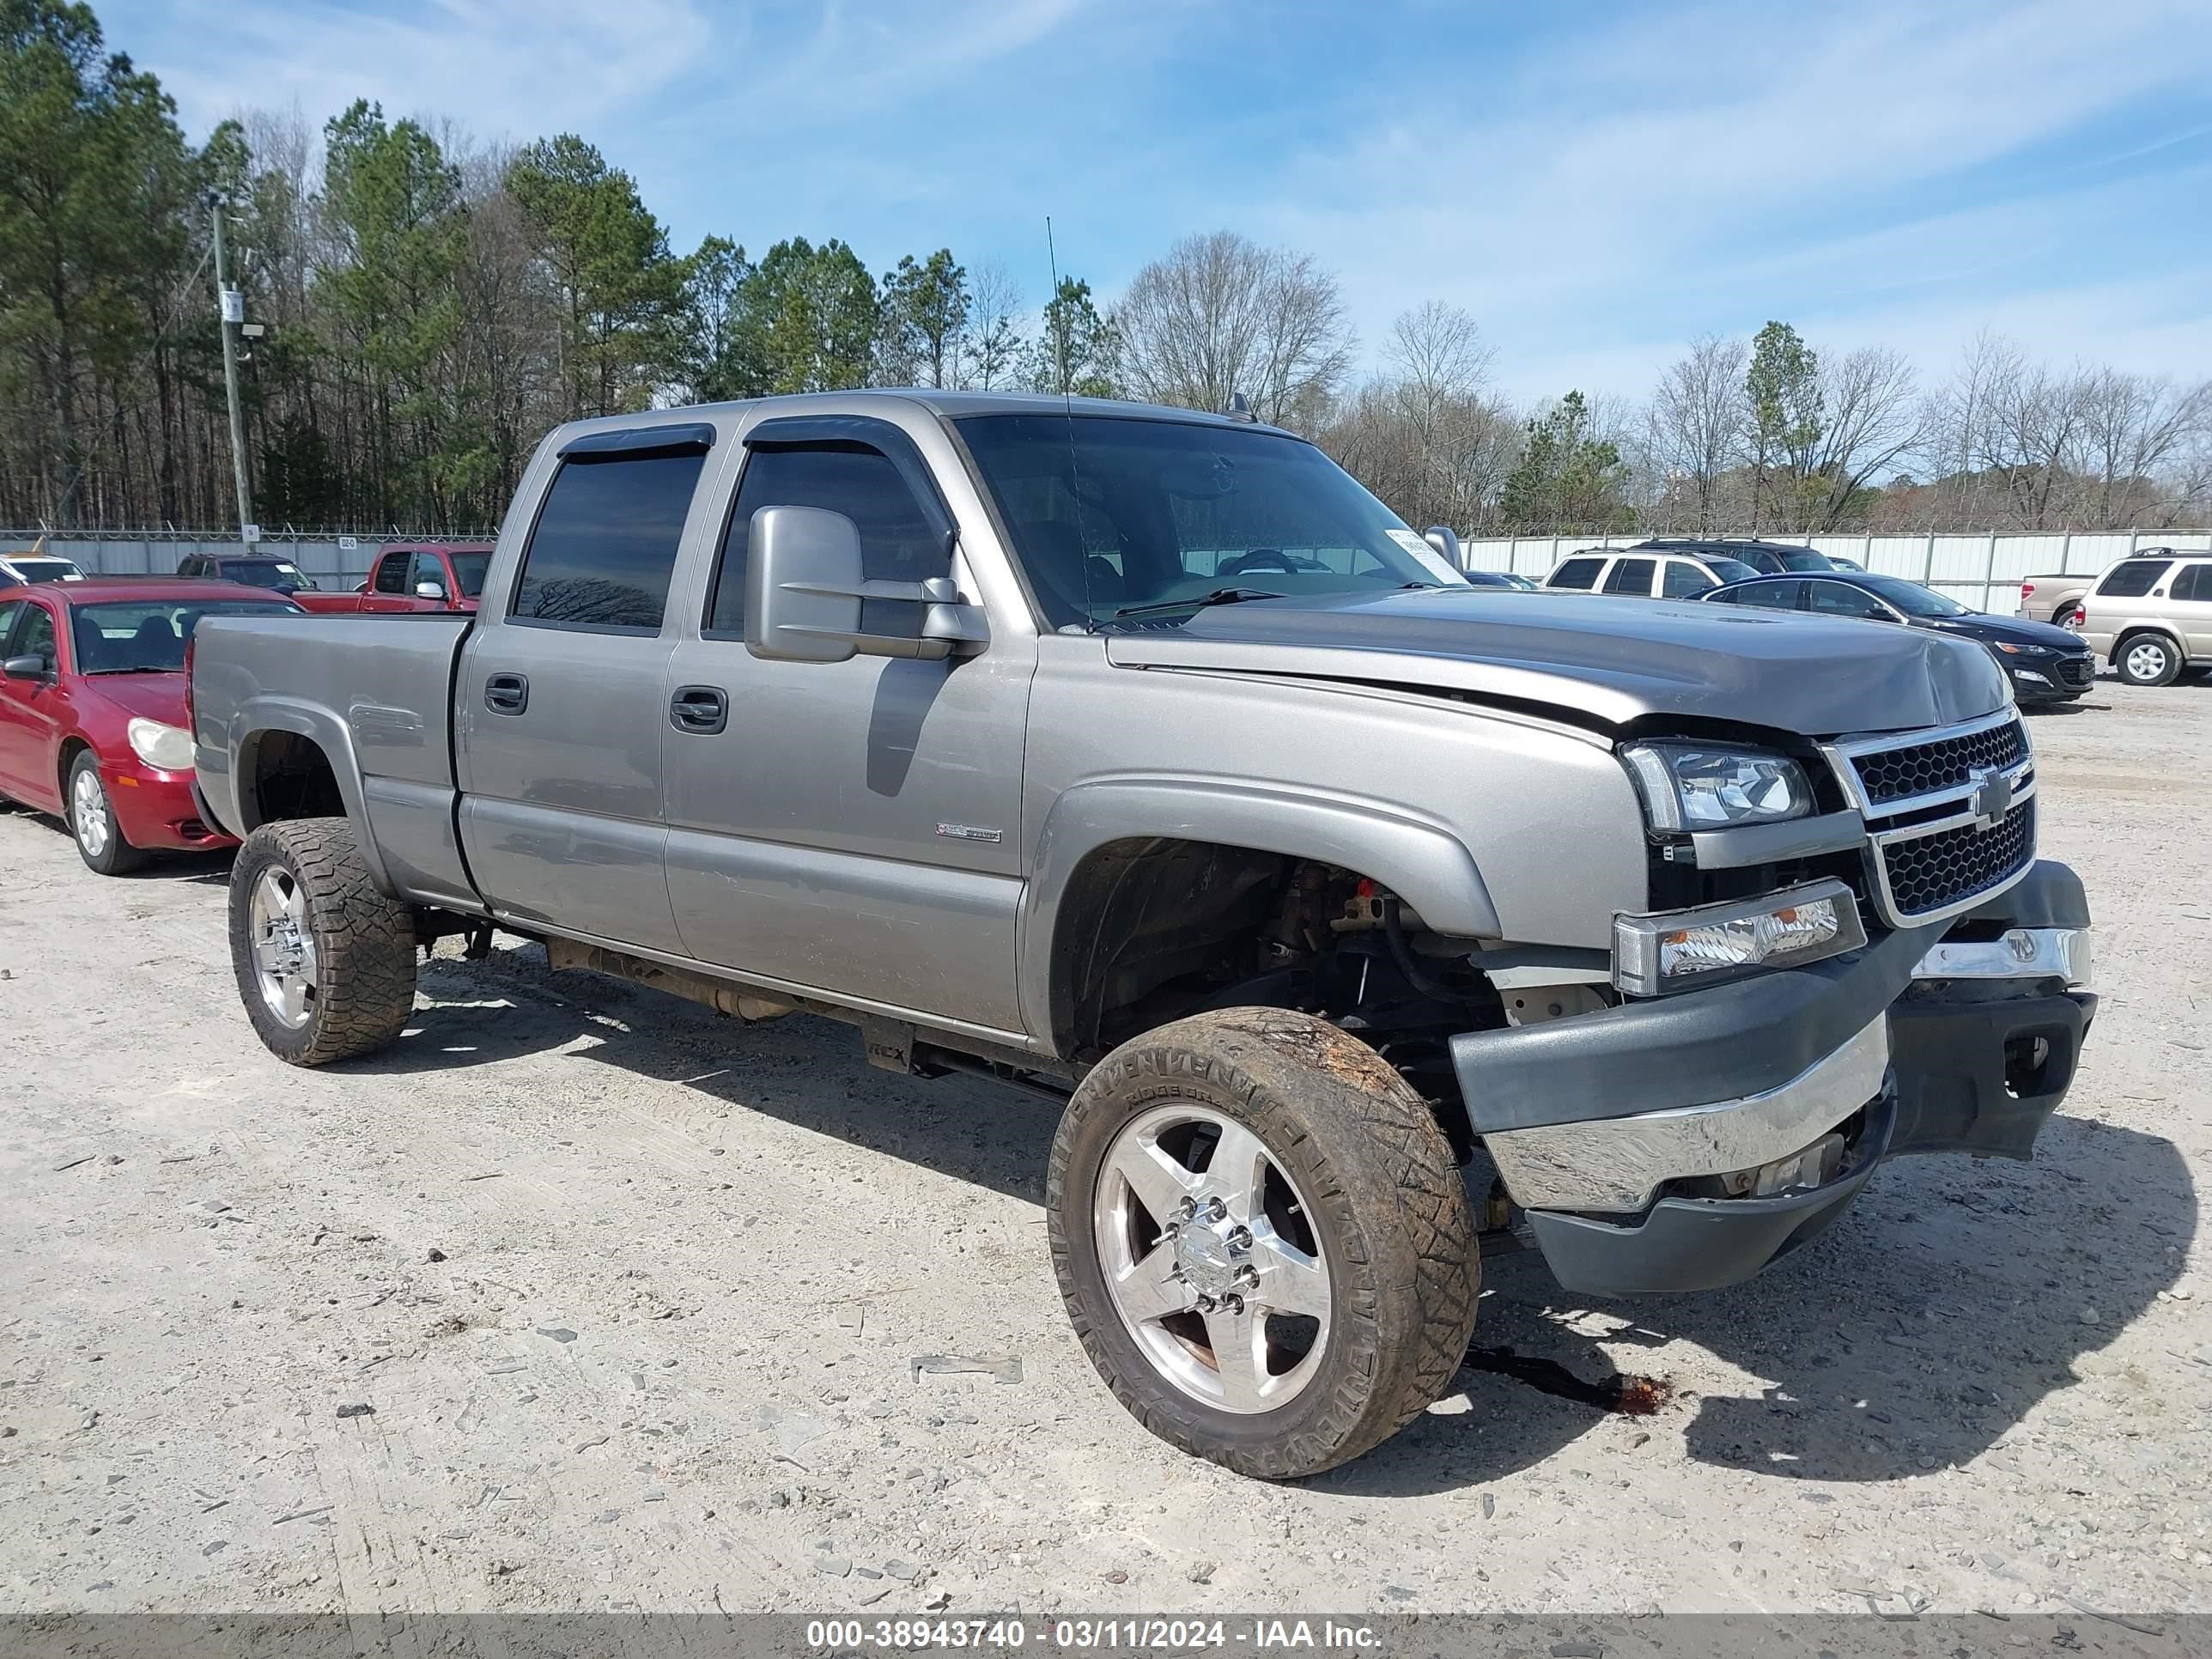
[{"x": 1360, "y": 919}]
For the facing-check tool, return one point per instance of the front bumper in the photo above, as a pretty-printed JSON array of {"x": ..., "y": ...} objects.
[
  {"x": 1622, "y": 1134},
  {"x": 160, "y": 811}
]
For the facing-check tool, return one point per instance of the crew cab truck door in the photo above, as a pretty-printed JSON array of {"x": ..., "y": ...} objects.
[
  {"x": 388, "y": 582},
  {"x": 853, "y": 827},
  {"x": 559, "y": 711}
]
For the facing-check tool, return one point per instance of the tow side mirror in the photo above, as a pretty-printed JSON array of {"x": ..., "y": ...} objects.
[
  {"x": 803, "y": 591},
  {"x": 1446, "y": 542},
  {"x": 24, "y": 668},
  {"x": 430, "y": 591}
]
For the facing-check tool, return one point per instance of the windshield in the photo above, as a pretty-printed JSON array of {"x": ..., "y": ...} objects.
[
  {"x": 147, "y": 636},
  {"x": 469, "y": 570},
  {"x": 1108, "y": 514},
  {"x": 267, "y": 573},
  {"x": 1803, "y": 558},
  {"x": 44, "y": 570},
  {"x": 1913, "y": 599},
  {"x": 1730, "y": 570}
]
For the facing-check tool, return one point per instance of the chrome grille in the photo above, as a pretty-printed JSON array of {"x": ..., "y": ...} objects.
[
  {"x": 1950, "y": 815},
  {"x": 1929, "y": 874},
  {"x": 1922, "y": 768}
]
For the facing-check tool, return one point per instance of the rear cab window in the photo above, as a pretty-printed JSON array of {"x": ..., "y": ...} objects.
[
  {"x": 603, "y": 551},
  {"x": 1575, "y": 572}
]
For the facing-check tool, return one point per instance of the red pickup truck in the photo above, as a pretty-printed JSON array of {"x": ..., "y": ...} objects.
[{"x": 407, "y": 576}]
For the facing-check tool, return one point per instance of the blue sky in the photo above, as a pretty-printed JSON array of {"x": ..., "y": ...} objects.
[{"x": 1597, "y": 183}]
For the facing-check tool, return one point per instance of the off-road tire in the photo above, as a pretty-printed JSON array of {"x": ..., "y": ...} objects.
[
  {"x": 365, "y": 945},
  {"x": 1382, "y": 1193},
  {"x": 2125, "y": 659},
  {"x": 117, "y": 857}
]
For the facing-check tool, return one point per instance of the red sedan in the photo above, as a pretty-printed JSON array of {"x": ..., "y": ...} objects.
[{"x": 92, "y": 709}]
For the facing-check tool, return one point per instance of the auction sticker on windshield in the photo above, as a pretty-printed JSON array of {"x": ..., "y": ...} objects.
[{"x": 1421, "y": 550}]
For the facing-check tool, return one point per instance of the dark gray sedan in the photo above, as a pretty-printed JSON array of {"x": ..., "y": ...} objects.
[{"x": 2046, "y": 664}]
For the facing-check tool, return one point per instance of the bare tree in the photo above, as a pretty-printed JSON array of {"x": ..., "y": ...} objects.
[
  {"x": 1874, "y": 418},
  {"x": 1426, "y": 434},
  {"x": 991, "y": 348},
  {"x": 1219, "y": 316},
  {"x": 2143, "y": 444},
  {"x": 1694, "y": 434}
]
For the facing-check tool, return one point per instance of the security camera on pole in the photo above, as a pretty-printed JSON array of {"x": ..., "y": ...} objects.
[{"x": 231, "y": 308}]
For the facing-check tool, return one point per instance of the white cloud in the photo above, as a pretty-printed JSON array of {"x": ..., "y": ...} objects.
[
  {"x": 1676, "y": 171},
  {"x": 510, "y": 68}
]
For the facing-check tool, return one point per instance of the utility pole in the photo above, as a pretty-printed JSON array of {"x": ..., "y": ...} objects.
[{"x": 231, "y": 308}]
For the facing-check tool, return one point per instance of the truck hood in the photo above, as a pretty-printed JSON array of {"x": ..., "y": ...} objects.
[{"x": 1614, "y": 659}]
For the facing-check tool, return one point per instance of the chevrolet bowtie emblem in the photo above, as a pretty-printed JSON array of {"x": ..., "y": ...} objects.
[{"x": 1992, "y": 798}]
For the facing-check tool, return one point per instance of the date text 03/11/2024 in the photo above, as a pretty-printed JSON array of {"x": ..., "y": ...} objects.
[{"x": 1087, "y": 1635}]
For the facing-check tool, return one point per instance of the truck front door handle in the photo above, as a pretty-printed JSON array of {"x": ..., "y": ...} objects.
[
  {"x": 703, "y": 709},
  {"x": 507, "y": 694}
]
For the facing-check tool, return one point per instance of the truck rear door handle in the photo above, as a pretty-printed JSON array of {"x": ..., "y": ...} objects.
[
  {"x": 507, "y": 694},
  {"x": 704, "y": 709}
]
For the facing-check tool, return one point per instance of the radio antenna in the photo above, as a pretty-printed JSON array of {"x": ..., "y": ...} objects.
[{"x": 1058, "y": 326}]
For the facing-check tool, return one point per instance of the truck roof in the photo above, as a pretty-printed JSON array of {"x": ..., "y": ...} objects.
[{"x": 952, "y": 405}]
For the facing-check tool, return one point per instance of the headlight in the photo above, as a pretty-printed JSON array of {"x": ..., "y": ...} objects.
[
  {"x": 2009, "y": 650},
  {"x": 1687, "y": 786},
  {"x": 165, "y": 748},
  {"x": 1655, "y": 954}
]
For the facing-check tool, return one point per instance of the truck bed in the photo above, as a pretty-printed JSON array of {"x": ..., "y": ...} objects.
[{"x": 374, "y": 692}]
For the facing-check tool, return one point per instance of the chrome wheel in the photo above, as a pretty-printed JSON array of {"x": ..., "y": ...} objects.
[
  {"x": 88, "y": 813},
  {"x": 2146, "y": 660},
  {"x": 1211, "y": 1259},
  {"x": 283, "y": 946}
]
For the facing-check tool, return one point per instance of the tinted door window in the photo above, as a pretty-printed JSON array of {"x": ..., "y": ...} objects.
[
  {"x": 427, "y": 567},
  {"x": 1682, "y": 577},
  {"x": 897, "y": 541},
  {"x": 1769, "y": 596},
  {"x": 1631, "y": 576},
  {"x": 2195, "y": 582},
  {"x": 392, "y": 574},
  {"x": 34, "y": 636},
  {"x": 469, "y": 570},
  {"x": 2133, "y": 579},
  {"x": 605, "y": 544},
  {"x": 1575, "y": 572},
  {"x": 1841, "y": 599},
  {"x": 8, "y": 610}
]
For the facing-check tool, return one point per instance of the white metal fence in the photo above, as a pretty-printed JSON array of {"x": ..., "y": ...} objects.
[{"x": 1982, "y": 571}]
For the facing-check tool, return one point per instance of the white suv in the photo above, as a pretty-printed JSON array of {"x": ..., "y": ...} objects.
[{"x": 1635, "y": 574}]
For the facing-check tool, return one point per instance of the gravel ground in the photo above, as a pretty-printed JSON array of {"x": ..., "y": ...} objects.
[{"x": 582, "y": 1298}]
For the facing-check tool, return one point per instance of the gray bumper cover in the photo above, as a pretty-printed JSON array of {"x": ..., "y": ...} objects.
[{"x": 1908, "y": 1046}]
